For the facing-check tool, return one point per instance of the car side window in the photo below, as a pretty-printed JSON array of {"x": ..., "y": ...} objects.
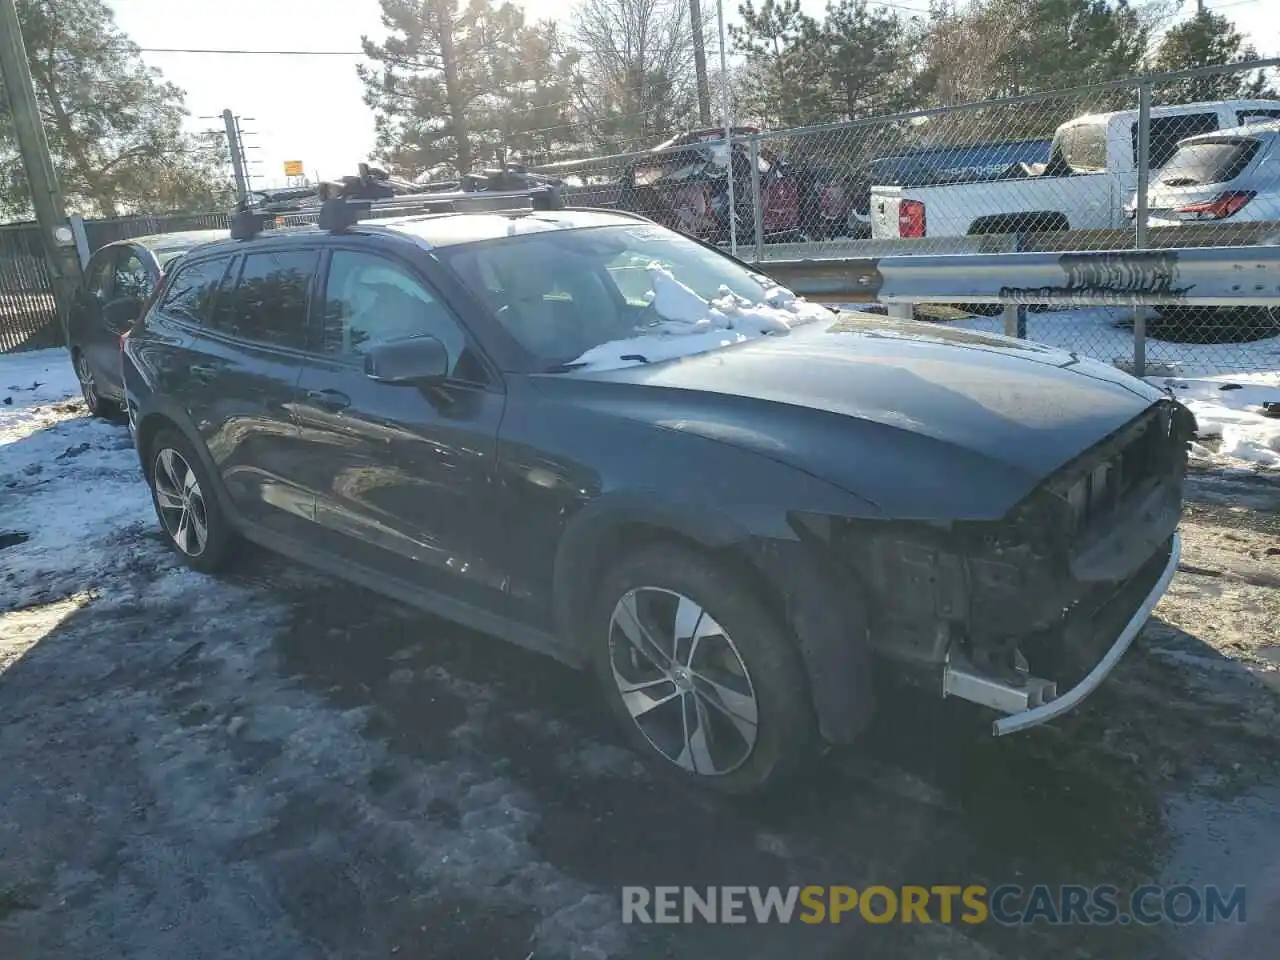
[
  {"x": 1167, "y": 131},
  {"x": 1244, "y": 117},
  {"x": 193, "y": 291},
  {"x": 98, "y": 281},
  {"x": 268, "y": 302},
  {"x": 131, "y": 278},
  {"x": 372, "y": 300}
]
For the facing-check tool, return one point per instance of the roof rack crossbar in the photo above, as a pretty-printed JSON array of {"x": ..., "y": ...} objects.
[
  {"x": 339, "y": 213},
  {"x": 342, "y": 206}
]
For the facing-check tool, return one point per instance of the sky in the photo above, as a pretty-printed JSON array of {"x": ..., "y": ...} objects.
[{"x": 309, "y": 108}]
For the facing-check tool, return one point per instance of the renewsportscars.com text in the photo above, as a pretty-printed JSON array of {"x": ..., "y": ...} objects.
[{"x": 1008, "y": 904}]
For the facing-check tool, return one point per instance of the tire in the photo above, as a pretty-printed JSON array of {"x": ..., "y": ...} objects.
[
  {"x": 98, "y": 405},
  {"x": 744, "y": 659},
  {"x": 200, "y": 534}
]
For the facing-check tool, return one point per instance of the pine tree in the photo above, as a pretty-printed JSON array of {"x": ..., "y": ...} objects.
[
  {"x": 458, "y": 87},
  {"x": 113, "y": 124},
  {"x": 783, "y": 80},
  {"x": 1207, "y": 39}
]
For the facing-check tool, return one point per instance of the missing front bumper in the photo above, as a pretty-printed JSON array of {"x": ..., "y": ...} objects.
[{"x": 1033, "y": 701}]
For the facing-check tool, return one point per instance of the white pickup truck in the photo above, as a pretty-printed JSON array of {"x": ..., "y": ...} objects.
[{"x": 1091, "y": 173}]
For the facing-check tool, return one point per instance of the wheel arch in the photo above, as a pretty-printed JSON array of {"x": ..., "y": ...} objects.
[
  {"x": 149, "y": 426},
  {"x": 827, "y": 620}
]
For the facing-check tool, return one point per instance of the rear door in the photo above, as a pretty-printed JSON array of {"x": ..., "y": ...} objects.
[
  {"x": 241, "y": 380},
  {"x": 401, "y": 473},
  {"x": 133, "y": 277}
]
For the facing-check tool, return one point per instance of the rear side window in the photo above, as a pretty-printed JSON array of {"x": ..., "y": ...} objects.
[
  {"x": 1256, "y": 116},
  {"x": 269, "y": 301},
  {"x": 131, "y": 278},
  {"x": 194, "y": 290},
  {"x": 1196, "y": 164},
  {"x": 1167, "y": 131}
]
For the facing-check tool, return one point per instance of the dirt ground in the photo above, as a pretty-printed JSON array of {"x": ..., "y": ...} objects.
[{"x": 272, "y": 764}]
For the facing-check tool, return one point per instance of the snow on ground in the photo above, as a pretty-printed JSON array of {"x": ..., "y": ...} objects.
[
  {"x": 172, "y": 742},
  {"x": 1231, "y": 410},
  {"x": 224, "y": 767},
  {"x": 1106, "y": 333}
]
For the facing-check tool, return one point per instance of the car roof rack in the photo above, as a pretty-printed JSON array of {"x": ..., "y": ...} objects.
[{"x": 343, "y": 205}]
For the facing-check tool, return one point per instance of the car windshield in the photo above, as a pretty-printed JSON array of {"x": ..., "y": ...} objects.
[
  {"x": 1212, "y": 161},
  {"x": 606, "y": 297}
]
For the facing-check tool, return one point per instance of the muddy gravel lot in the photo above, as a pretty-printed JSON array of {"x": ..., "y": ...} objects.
[{"x": 272, "y": 764}]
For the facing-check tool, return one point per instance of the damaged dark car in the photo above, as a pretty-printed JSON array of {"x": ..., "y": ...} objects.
[{"x": 611, "y": 443}]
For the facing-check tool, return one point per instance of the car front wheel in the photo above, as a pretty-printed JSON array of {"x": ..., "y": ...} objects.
[
  {"x": 703, "y": 679},
  {"x": 185, "y": 503}
]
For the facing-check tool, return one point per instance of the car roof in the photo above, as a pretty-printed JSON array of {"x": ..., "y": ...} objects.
[
  {"x": 453, "y": 229},
  {"x": 162, "y": 244},
  {"x": 1263, "y": 128},
  {"x": 443, "y": 230},
  {"x": 1173, "y": 109}
]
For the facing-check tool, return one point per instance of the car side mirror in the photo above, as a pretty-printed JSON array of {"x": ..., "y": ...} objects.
[{"x": 417, "y": 360}]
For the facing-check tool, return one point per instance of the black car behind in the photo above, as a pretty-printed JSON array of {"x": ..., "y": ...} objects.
[{"x": 118, "y": 279}]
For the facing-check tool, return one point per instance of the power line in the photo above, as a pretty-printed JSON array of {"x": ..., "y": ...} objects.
[{"x": 273, "y": 53}]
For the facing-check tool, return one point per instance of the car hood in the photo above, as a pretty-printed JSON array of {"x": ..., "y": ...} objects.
[{"x": 944, "y": 398}]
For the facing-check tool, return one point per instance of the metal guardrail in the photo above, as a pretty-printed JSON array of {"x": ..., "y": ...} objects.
[
  {"x": 1201, "y": 276},
  {"x": 1212, "y": 281}
]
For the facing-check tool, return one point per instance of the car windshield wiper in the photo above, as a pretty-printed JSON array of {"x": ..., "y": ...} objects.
[
  {"x": 1180, "y": 182},
  {"x": 564, "y": 367}
]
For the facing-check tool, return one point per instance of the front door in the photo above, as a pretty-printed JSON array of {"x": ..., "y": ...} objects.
[{"x": 402, "y": 474}]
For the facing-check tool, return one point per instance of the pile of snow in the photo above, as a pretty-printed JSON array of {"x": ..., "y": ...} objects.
[
  {"x": 1106, "y": 334},
  {"x": 690, "y": 324},
  {"x": 1230, "y": 409}
]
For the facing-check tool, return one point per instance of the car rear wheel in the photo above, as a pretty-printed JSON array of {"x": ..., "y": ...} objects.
[
  {"x": 192, "y": 521},
  {"x": 97, "y": 404},
  {"x": 703, "y": 679}
]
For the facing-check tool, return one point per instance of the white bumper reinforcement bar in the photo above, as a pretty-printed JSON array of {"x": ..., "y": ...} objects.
[{"x": 1035, "y": 701}]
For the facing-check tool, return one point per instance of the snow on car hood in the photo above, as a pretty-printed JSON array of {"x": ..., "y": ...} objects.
[{"x": 689, "y": 324}]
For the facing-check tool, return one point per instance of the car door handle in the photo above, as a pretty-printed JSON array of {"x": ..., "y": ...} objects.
[{"x": 329, "y": 399}]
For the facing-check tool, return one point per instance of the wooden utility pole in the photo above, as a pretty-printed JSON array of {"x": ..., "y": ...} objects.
[
  {"x": 237, "y": 155},
  {"x": 700, "y": 62},
  {"x": 55, "y": 230}
]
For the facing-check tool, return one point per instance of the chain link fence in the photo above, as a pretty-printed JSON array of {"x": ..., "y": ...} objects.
[{"x": 1179, "y": 160}]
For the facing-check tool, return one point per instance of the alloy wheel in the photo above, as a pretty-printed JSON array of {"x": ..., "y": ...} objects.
[
  {"x": 88, "y": 385},
  {"x": 683, "y": 681},
  {"x": 181, "y": 502}
]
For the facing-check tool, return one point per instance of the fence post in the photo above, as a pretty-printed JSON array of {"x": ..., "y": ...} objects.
[
  {"x": 757, "y": 211},
  {"x": 1140, "y": 220},
  {"x": 82, "y": 239},
  {"x": 1015, "y": 314},
  {"x": 1011, "y": 319}
]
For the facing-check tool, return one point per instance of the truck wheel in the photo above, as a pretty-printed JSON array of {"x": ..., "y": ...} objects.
[{"x": 704, "y": 680}]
